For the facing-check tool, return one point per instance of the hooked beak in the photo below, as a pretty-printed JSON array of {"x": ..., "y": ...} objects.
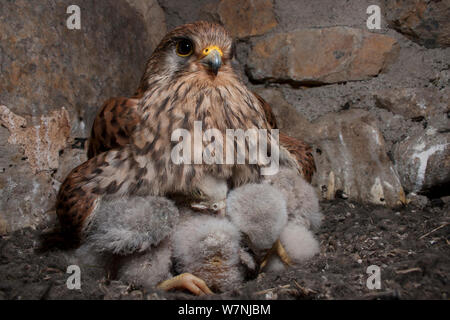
[{"x": 212, "y": 59}]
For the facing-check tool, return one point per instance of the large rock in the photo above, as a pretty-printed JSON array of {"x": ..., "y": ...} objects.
[
  {"x": 46, "y": 66},
  {"x": 53, "y": 81},
  {"x": 349, "y": 151},
  {"x": 288, "y": 119},
  {"x": 318, "y": 56},
  {"x": 423, "y": 161},
  {"x": 413, "y": 103},
  {"x": 351, "y": 159},
  {"x": 242, "y": 18},
  {"x": 245, "y": 18},
  {"x": 429, "y": 105},
  {"x": 426, "y": 22},
  {"x": 154, "y": 18},
  {"x": 41, "y": 143}
]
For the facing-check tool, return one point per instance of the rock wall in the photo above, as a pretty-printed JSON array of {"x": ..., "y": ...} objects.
[{"x": 373, "y": 103}]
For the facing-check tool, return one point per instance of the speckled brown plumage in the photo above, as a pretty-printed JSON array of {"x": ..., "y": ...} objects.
[
  {"x": 118, "y": 117},
  {"x": 174, "y": 92},
  {"x": 114, "y": 125}
]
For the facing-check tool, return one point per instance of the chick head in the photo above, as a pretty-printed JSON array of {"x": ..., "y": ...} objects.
[{"x": 210, "y": 195}]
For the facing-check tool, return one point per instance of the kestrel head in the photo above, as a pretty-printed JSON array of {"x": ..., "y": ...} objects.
[{"x": 202, "y": 48}]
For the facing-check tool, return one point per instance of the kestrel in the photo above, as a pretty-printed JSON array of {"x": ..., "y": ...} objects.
[
  {"x": 188, "y": 78},
  {"x": 119, "y": 116}
]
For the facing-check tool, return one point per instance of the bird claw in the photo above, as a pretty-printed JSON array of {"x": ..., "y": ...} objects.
[
  {"x": 280, "y": 251},
  {"x": 188, "y": 282}
]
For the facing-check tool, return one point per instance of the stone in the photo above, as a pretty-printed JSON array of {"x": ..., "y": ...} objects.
[
  {"x": 416, "y": 200},
  {"x": 349, "y": 152},
  {"x": 320, "y": 56},
  {"x": 246, "y": 18},
  {"x": 154, "y": 18},
  {"x": 46, "y": 66},
  {"x": 41, "y": 143},
  {"x": 414, "y": 103},
  {"x": 423, "y": 160},
  {"x": 351, "y": 159},
  {"x": 26, "y": 199},
  {"x": 423, "y": 21},
  {"x": 288, "y": 119}
]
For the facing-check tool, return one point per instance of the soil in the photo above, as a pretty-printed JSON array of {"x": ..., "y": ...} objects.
[{"x": 409, "y": 245}]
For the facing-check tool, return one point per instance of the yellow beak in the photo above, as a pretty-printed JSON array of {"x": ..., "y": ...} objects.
[{"x": 212, "y": 58}]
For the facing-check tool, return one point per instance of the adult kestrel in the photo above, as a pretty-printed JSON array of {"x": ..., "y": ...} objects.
[{"x": 188, "y": 78}]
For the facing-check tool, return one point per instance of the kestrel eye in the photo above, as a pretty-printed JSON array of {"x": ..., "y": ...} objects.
[{"x": 184, "y": 48}]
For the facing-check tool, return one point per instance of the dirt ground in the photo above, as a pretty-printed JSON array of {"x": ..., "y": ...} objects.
[{"x": 410, "y": 245}]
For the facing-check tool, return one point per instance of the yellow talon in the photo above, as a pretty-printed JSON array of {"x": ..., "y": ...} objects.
[
  {"x": 188, "y": 282},
  {"x": 280, "y": 251}
]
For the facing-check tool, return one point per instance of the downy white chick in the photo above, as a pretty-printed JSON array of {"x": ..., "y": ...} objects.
[
  {"x": 206, "y": 245},
  {"x": 209, "y": 248},
  {"x": 128, "y": 225},
  {"x": 148, "y": 268},
  {"x": 303, "y": 216},
  {"x": 209, "y": 194},
  {"x": 301, "y": 198},
  {"x": 259, "y": 212},
  {"x": 132, "y": 233},
  {"x": 138, "y": 229}
]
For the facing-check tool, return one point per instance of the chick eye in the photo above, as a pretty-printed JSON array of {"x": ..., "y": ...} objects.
[
  {"x": 184, "y": 48},
  {"x": 197, "y": 193}
]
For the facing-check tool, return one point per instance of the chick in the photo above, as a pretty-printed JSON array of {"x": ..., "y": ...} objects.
[
  {"x": 135, "y": 228},
  {"x": 209, "y": 248},
  {"x": 210, "y": 194},
  {"x": 304, "y": 216},
  {"x": 259, "y": 211},
  {"x": 125, "y": 226},
  {"x": 206, "y": 246},
  {"x": 299, "y": 245},
  {"x": 148, "y": 268},
  {"x": 129, "y": 237},
  {"x": 301, "y": 198}
]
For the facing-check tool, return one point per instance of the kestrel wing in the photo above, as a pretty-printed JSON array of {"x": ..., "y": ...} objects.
[
  {"x": 302, "y": 152},
  {"x": 113, "y": 125},
  {"x": 268, "y": 111}
]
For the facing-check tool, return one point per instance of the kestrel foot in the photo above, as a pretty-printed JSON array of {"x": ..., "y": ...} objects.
[
  {"x": 188, "y": 282},
  {"x": 279, "y": 250}
]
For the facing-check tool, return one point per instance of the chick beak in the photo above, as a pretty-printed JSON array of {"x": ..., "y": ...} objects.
[{"x": 212, "y": 59}]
